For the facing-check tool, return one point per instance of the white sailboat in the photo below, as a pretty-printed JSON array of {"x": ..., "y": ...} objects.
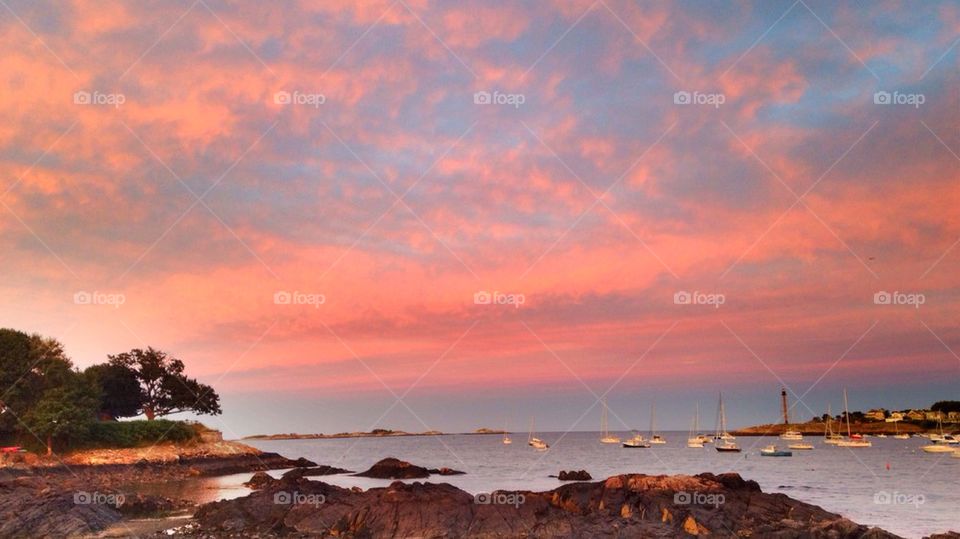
[
  {"x": 506, "y": 435},
  {"x": 655, "y": 438},
  {"x": 695, "y": 440},
  {"x": 605, "y": 436},
  {"x": 899, "y": 435},
  {"x": 830, "y": 437},
  {"x": 941, "y": 441},
  {"x": 726, "y": 444},
  {"x": 535, "y": 442},
  {"x": 851, "y": 440}
]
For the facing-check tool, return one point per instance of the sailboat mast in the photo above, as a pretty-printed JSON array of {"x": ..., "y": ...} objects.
[{"x": 846, "y": 411}]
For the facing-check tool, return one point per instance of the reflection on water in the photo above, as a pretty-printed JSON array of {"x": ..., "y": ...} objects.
[{"x": 196, "y": 489}]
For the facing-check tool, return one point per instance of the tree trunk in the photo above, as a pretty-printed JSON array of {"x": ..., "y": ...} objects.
[
  {"x": 149, "y": 413},
  {"x": 49, "y": 445}
]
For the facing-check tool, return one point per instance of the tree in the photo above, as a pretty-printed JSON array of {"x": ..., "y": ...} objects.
[
  {"x": 29, "y": 366},
  {"x": 946, "y": 406},
  {"x": 120, "y": 393},
  {"x": 165, "y": 389},
  {"x": 64, "y": 413}
]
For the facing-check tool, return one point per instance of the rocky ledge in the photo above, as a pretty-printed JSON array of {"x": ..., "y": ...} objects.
[
  {"x": 621, "y": 506},
  {"x": 393, "y": 468}
]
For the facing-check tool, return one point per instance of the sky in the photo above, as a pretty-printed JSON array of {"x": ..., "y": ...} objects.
[{"x": 424, "y": 215}]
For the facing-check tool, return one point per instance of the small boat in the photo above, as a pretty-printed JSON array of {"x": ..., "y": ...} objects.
[
  {"x": 772, "y": 451},
  {"x": 535, "y": 442},
  {"x": 900, "y": 435},
  {"x": 655, "y": 438},
  {"x": 506, "y": 435},
  {"x": 637, "y": 442},
  {"x": 605, "y": 436},
  {"x": 791, "y": 435},
  {"x": 881, "y": 435},
  {"x": 803, "y": 446},
  {"x": 938, "y": 448},
  {"x": 852, "y": 440},
  {"x": 695, "y": 440},
  {"x": 725, "y": 440},
  {"x": 830, "y": 437}
]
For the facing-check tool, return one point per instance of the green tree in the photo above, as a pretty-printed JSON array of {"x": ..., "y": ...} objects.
[
  {"x": 946, "y": 406},
  {"x": 166, "y": 390},
  {"x": 65, "y": 413},
  {"x": 29, "y": 366},
  {"x": 120, "y": 393}
]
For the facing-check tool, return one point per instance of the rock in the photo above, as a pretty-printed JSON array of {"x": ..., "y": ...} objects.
[
  {"x": 323, "y": 470},
  {"x": 303, "y": 463},
  {"x": 580, "y": 475},
  {"x": 392, "y": 468},
  {"x": 622, "y": 506},
  {"x": 446, "y": 471},
  {"x": 259, "y": 480}
]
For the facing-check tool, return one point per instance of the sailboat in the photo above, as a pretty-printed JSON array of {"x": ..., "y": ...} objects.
[
  {"x": 637, "y": 442},
  {"x": 830, "y": 437},
  {"x": 535, "y": 442},
  {"x": 695, "y": 440},
  {"x": 654, "y": 437},
  {"x": 851, "y": 441},
  {"x": 506, "y": 435},
  {"x": 605, "y": 437},
  {"x": 726, "y": 445},
  {"x": 940, "y": 442},
  {"x": 899, "y": 435}
]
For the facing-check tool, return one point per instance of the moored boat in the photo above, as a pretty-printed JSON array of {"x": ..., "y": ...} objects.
[
  {"x": 802, "y": 446},
  {"x": 636, "y": 442},
  {"x": 605, "y": 436},
  {"x": 772, "y": 451},
  {"x": 725, "y": 443}
]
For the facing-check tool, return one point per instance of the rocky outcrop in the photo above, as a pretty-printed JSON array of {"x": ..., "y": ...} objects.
[
  {"x": 621, "y": 506},
  {"x": 580, "y": 475},
  {"x": 392, "y": 468}
]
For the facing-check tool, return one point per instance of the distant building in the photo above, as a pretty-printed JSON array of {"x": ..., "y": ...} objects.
[
  {"x": 932, "y": 416},
  {"x": 916, "y": 415},
  {"x": 877, "y": 415},
  {"x": 894, "y": 417},
  {"x": 953, "y": 417}
]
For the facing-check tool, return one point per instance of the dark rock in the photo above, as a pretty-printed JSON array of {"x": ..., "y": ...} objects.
[
  {"x": 580, "y": 475},
  {"x": 446, "y": 471},
  {"x": 392, "y": 468},
  {"x": 324, "y": 470},
  {"x": 259, "y": 480},
  {"x": 621, "y": 506},
  {"x": 303, "y": 463}
]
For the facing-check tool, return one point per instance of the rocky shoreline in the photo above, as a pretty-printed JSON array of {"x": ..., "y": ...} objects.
[
  {"x": 82, "y": 500},
  {"x": 632, "y": 505}
]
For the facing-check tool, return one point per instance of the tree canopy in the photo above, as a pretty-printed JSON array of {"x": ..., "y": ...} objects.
[{"x": 164, "y": 389}]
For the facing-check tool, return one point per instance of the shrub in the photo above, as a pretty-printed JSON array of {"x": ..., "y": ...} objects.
[{"x": 138, "y": 433}]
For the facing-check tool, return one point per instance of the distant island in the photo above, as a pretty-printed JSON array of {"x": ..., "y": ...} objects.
[{"x": 375, "y": 433}]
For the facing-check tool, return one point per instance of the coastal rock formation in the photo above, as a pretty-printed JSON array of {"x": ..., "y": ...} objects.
[
  {"x": 260, "y": 480},
  {"x": 393, "y": 468},
  {"x": 580, "y": 475},
  {"x": 621, "y": 506}
]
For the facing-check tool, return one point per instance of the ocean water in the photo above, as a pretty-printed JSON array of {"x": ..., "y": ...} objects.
[{"x": 894, "y": 484}]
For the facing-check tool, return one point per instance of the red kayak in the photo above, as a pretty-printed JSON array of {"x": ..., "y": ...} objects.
[{"x": 11, "y": 449}]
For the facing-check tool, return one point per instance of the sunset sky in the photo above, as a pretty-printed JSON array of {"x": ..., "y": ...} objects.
[{"x": 189, "y": 191}]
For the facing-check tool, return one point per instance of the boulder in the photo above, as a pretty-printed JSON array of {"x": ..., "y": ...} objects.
[{"x": 579, "y": 475}]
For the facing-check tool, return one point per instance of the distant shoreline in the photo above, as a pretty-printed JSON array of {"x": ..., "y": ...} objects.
[
  {"x": 817, "y": 428},
  {"x": 372, "y": 434}
]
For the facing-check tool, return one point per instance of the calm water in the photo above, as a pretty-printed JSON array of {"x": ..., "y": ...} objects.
[{"x": 924, "y": 487}]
